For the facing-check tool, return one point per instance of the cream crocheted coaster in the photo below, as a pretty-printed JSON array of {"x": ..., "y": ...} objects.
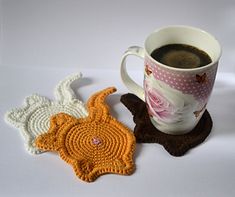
[{"x": 33, "y": 119}]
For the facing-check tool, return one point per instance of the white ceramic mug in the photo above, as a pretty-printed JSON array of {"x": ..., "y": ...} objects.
[{"x": 176, "y": 98}]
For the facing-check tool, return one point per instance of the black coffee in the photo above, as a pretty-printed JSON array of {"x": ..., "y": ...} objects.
[{"x": 181, "y": 56}]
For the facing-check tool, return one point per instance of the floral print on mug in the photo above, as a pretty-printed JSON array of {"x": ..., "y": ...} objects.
[{"x": 168, "y": 107}]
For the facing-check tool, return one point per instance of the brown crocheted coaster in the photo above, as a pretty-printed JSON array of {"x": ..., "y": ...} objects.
[{"x": 145, "y": 132}]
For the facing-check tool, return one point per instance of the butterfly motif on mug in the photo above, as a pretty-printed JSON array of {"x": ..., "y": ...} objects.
[
  {"x": 197, "y": 113},
  {"x": 147, "y": 70},
  {"x": 201, "y": 78}
]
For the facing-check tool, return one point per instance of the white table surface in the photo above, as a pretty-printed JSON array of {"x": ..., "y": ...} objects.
[
  {"x": 207, "y": 170},
  {"x": 41, "y": 42}
]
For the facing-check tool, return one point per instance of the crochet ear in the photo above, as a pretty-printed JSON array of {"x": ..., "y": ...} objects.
[
  {"x": 132, "y": 102},
  {"x": 61, "y": 118},
  {"x": 16, "y": 117},
  {"x": 96, "y": 104},
  {"x": 36, "y": 99},
  {"x": 63, "y": 90},
  {"x": 48, "y": 141}
]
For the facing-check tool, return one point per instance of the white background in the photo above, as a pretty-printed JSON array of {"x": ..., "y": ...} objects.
[{"x": 41, "y": 42}]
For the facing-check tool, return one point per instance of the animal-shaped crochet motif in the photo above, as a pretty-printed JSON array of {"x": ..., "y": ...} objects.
[
  {"x": 94, "y": 145},
  {"x": 33, "y": 118}
]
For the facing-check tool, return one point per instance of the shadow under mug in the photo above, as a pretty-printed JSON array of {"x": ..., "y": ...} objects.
[{"x": 176, "y": 98}]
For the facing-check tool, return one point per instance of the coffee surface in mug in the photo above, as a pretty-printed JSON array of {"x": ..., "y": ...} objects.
[{"x": 181, "y": 56}]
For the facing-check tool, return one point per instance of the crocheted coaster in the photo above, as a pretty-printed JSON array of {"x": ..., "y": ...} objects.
[
  {"x": 34, "y": 117},
  {"x": 145, "y": 132},
  {"x": 94, "y": 145}
]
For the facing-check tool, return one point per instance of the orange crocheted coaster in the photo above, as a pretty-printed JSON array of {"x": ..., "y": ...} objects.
[{"x": 95, "y": 145}]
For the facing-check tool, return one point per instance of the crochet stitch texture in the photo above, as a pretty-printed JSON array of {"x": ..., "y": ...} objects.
[
  {"x": 145, "y": 132},
  {"x": 95, "y": 145},
  {"x": 34, "y": 117}
]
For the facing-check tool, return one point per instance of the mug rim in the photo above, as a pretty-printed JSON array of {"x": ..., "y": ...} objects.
[{"x": 185, "y": 27}]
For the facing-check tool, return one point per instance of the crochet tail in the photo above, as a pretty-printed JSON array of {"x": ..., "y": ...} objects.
[
  {"x": 63, "y": 90},
  {"x": 96, "y": 104}
]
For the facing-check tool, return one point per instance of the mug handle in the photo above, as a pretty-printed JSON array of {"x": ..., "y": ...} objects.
[{"x": 129, "y": 83}]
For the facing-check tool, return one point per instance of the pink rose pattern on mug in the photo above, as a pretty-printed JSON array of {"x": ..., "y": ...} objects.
[{"x": 176, "y": 97}]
